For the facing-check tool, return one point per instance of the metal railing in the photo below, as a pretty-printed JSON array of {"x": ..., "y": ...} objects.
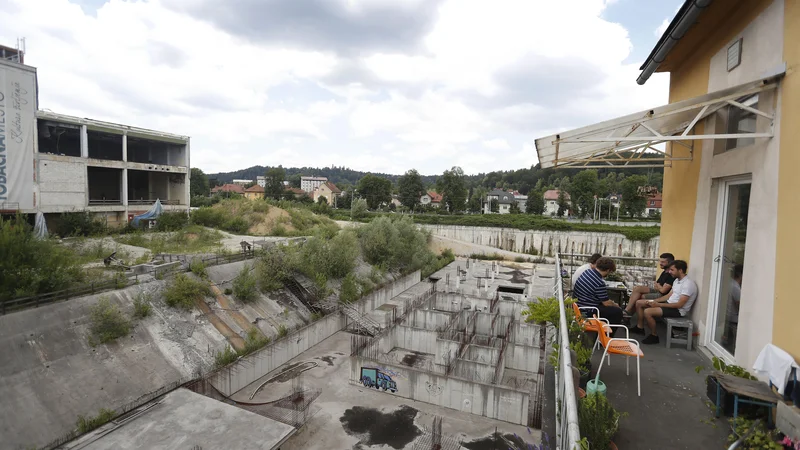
[{"x": 567, "y": 432}]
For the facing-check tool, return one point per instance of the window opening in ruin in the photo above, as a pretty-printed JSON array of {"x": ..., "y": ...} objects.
[
  {"x": 105, "y": 145},
  {"x": 105, "y": 186},
  {"x": 150, "y": 151},
  {"x": 59, "y": 138}
]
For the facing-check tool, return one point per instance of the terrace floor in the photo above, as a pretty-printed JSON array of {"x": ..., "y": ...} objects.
[{"x": 673, "y": 412}]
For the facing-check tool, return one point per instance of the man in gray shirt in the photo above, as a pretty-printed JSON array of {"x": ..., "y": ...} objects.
[{"x": 676, "y": 304}]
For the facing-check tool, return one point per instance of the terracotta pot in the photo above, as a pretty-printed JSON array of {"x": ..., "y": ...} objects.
[
  {"x": 612, "y": 446},
  {"x": 581, "y": 393}
]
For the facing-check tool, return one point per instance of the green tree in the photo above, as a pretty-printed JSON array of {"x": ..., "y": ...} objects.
[
  {"x": 582, "y": 190},
  {"x": 563, "y": 203},
  {"x": 375, "y": 190},
  {"x": 198, "y": 183},
  {"x": 294, "y": 180},
  {"x": 359, "y": 208},
  {"x": 477, "y": 198},
  {"x": 274, "y": 182},
  {"x": 410, "y": 188},
  {"x": 608, "y": 185},
  {"x": 494, "y": 205},
  {"x": 535, "y": 202},
  {"x": 633, "y": 204},
  {"x": 514, "y": 208},
  {"x": 453, "y": 188}
]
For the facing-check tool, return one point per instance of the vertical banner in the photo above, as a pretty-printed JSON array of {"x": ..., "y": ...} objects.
[{"x": 17, "y": 125}]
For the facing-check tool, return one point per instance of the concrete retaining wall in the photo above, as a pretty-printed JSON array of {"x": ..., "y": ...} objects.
[
  {"x": 428, "y": 319},
  {"x": 475, "y": 370},
  {"x": 246, "y": 370},
  {"x": 415, "y": 339},
  {"x": 481, "y": 354},
  {"x": 527, "y": 334},
  {"x": 495, "y": 402},
  {"x": 522, "y": 357},
  {"x": 548, "y": 242}
]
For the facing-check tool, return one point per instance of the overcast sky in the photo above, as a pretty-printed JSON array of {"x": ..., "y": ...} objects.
[{"x": 378, "y": 85}]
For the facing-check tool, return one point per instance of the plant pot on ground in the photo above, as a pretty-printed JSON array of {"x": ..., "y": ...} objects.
[{"x": 598, "y": 421}]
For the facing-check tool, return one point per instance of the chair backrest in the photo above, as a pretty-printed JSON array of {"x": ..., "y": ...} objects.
[{"x": 578, "y": 315}]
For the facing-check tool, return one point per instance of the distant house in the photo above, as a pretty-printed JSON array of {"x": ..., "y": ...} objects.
[
  {"x": 551, "y": 201},
  {"x": 295, "y": 193},
  {"x": 228, "y": 188},
  {"x": 431, "y": 198},
  {"x": 327, "y": 190},
  {"x": 653, "y": 205},
  {"x": 242, "y": 182},
  {"x": 522, "y": 201},
  {"x": 261, "y": 181},
  {"x": 254, "y": 192},
  {"x": 504, "y": 200}
]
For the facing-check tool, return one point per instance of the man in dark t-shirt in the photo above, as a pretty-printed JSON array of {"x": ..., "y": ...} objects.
[{"x": 662, "y": 287}]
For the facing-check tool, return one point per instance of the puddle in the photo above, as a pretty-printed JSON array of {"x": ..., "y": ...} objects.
[
  {"x": 395, "y": 429},
  {"x": 410, "y": 359},
  {"x": 517, "y": 276},
  {"x": 496, "y": 441}
]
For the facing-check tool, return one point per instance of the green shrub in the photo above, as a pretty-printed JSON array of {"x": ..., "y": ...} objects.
[
  {"x": 141, "y": 305},
  {"x": 254, "y": 341},
  {"x": 275, "y": 266},
  {"x": 172, "y": 221},
  {"x": 395, "y": 244},
  {"x": 80, "y": 224},
  {"x": 182, "y": 291},
  {"x": 106, "y": 322},
  {"x": 29, "y": 266},
  {"x": 236, "y": 225},
  {"x": 349, "y": 291},
  {"x": 282, "y": 331},
  {"x": 245, "y": 285},
  {"x": 485, "y": 257},
  {"x": 445, "y": 258},
  {"x": 225, "y": 357},
  {"x": 598, "y": 420},
  {"x": 333, "y": 258},
  {"x": 87, "y": 424},
  {"x": 359, "y": 208},
  {"x": 543, "y": 310},
  {"x": 198, "y": 268},
  {"x": 228, "y": 291}
]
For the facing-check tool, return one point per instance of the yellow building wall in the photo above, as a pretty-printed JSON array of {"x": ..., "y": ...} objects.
[
  {"x": 785, "y": 329},
  {"x": 690, "y": 79}
]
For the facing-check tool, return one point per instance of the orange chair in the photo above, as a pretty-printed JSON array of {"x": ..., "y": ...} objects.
[
  {"x": 620, "y": 346},
  {"x": 594, "y": 324}
]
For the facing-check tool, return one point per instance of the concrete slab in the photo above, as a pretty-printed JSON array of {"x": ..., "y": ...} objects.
[
  {"x": 49, "y": 374},
  {"x": 183, "y": 419},
  {"x": 344, "y": 407}
]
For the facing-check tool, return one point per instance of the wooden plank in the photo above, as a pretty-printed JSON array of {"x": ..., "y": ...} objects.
[{"x": 747, "y": 388}]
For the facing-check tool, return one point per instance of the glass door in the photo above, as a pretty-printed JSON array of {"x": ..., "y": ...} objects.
[{"x": 729, "y": 247}]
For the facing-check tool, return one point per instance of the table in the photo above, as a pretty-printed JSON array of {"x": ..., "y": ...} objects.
[
  {"x": 745, "y": 391},
  {"x": 618, "y": 292}
]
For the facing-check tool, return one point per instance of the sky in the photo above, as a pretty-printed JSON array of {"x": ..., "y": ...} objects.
[{"x": 373, "y": 85}]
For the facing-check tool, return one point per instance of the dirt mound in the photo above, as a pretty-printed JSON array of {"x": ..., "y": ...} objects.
[{"x": 274, "y": 217}]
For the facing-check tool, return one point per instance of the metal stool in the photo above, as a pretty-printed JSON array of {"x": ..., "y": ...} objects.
[{"x": 679, "y": 323}]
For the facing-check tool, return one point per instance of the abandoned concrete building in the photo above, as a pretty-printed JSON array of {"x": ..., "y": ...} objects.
[{"x": 58, "y": 163}]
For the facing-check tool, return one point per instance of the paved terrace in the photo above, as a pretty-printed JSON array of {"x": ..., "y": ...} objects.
[{"x": 673, "y": 411}]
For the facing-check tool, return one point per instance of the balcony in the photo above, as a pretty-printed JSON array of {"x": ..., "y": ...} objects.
[{"x": 673, "y": 411}]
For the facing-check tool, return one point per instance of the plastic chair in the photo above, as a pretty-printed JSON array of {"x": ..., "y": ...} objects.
[
  {"x": 621, "y": 346},
  {"x": 594, "y": 324}
]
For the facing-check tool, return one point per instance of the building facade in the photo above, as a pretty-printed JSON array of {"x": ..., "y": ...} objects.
[
  {"x": 730, "y": 184},
  {"x": 56, "y": 163},
  {"x": 328, "y": 191},
  {"x": 308, "y": 184}
]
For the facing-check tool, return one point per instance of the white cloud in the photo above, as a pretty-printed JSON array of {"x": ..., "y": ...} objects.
[
  {"x": 484, "y": 75},
  {"x": 662, "y": 28}
]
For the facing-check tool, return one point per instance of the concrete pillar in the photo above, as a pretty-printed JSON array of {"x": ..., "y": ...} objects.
[
  {"x": 84, "y": 142},
  {"x": 492, "y": 277},
  {"x": 124, "y": 193},
  {"x": 125, "y": 146},
  {"x": 458, "y": 282}
]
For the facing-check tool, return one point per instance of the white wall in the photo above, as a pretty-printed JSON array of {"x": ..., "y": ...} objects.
[
  {"x": 415, "y": 339},
  {"x": 495, "y": 402},
  {"x": 61, "y": 183},
  {"x": 548, "y": 242}
]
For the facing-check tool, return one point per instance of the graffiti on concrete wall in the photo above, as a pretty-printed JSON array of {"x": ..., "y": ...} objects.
[
  {"x": 433, "y": 388},
  {"x": 373, "y": 377}
]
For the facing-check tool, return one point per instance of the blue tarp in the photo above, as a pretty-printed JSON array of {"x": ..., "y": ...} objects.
[{"x": 153, "y": 213}]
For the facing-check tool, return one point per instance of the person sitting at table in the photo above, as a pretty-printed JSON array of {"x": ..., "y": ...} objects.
[
  {"x": 589, "y": 265},
  {"x": 590, "y": 289},
  {"x": 663, "y": 285},
  {"x": 677, "y": 304}
]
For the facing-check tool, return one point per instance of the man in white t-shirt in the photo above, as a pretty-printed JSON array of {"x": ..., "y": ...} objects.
[
  {"x": 589, "y": 265},
  {"x": 676, "y": 304}
]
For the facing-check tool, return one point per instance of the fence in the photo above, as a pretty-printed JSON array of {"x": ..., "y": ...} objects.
[
  {"x": 633, "y": 270},
  {"x": 567, "y": 430},
  {"x": 18, "y": 304}
]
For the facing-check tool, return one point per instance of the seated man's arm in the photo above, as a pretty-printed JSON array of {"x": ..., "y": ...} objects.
[
  {"x": 601, "y": 293},
  {"x": 682, "y": 301},
  {"x": 663, "y": 288}
]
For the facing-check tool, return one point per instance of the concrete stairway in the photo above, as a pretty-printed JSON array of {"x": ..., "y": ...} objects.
[{"x": 362, "y": 321}]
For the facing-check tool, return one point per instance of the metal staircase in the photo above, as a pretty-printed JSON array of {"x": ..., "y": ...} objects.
[
  {"x": 363, "y": 322},
  {"x": 301, "y": 293}
]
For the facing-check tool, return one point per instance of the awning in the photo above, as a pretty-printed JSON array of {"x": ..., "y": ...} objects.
[{"x": 626, "y": 140}]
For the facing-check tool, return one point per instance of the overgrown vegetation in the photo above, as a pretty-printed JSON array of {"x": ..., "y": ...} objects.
[
  {"x": 79, "y": 224},
  {"x": 29, "y": 266},
  {"x": 349, "y": 292},
  {"x": 225, "y": 357},
  {"x": 191, "y": 239},
  {"x": 282, "y": 331},
  {"x": 172, "y": 221},
  {"x": 334, "y": 258},
  {"x": 107, "y": 322},
  {"x": 198, "y": 268},
  {"x": 183, "y": 290},
  {"x": 257, "y": 217},
  {"x": 87, "y": 424},
  {"x": 254, "y": 341},
  {"x": 598, "y": 420},
  {"x": 141, "y": 305},
  {"x": 275, "y": 266},
  {"x": 245, "y": 285}
]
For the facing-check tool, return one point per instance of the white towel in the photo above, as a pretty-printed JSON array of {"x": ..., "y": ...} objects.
[{"x": 776, "y": 364}]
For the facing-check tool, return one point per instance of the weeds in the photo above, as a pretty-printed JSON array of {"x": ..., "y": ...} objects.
[
  {"x": 225, "y": 357},
  {"x": 282, "y": 331},
  {"x": 87, "y": 424},
  {"x": 141, "y": 305},
  {"x": 107, "y": 322},
  {"x": 245, "y": 285},
  {"x": 198, "y": 268},
  {"x": 182, "y": 291},
  {"x": 254, "y": 341},
  {"x": 349, "y": 292}
]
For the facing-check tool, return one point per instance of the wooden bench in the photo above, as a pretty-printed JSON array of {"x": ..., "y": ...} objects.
[
  {"x": 679, "y": 323},
  {"x": 744, "y": 391}
]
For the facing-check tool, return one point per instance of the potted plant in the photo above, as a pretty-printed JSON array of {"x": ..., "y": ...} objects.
[
  {"x": 583, "y": 361},
  {"x": 598, "y": 421}
]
